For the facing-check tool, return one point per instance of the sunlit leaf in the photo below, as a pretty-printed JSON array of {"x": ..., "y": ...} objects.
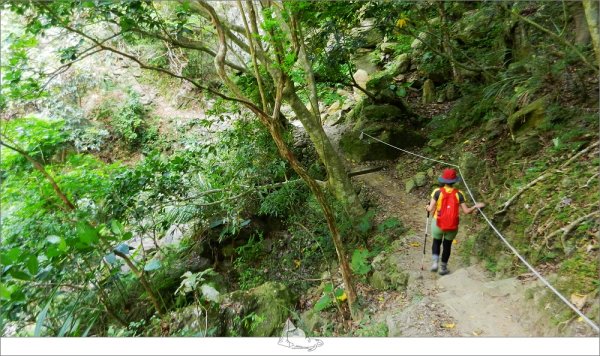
[
  {"x": 323, "y": 303},
  {"x": 152, "y": 265}
]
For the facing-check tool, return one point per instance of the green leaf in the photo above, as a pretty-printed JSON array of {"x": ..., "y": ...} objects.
[
  {"x": 53, "y": 239},
  {"x": 338, "y": 292},
  {"x": 32, "y": 264},
  {"x": 116, "y": 228},
  {"x": 11, "y": 256},
  {"x": 123, "y": 248},
  {"x": 66, "y": 327},
  {"x": 6, "y": 291},
  {"x": 323, "y": 303},
  {"x": 87, "y": 234},
  {"x": 15, "y": 273},
  {"x": 152, "y": 265},
  {"x": 328, "y": 288},
  {"x": 127, "y": 236},
  {"x": 359, "y": 263},
  {"x": 40, "y": 319}
]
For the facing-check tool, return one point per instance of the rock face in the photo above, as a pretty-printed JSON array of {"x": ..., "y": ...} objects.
[
  {"x": 386, "y": 123},
  {"x": 369, "y": 150},
  {"x": 528, "y": 117},
  {"x": 366, "y": 34},
  {"x": 261, "y": 311}
]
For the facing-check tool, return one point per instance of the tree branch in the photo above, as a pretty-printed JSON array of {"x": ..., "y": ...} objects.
[{"x": 39, "y": 167}]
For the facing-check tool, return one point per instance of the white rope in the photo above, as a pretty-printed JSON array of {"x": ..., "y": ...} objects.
[{"x": 565, "y": 300}]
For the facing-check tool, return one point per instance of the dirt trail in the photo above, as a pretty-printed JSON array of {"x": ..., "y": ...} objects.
[{"x": 464, "y": 303}]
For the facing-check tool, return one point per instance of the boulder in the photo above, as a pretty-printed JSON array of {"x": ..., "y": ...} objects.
[
  {"x": 420, "y": 179},
  {"x": 527, "y": 118},
  {"x": 382, "y": 80},
  {"x": 367, "y": 149},
  {"x": 366, "y": 34},
  {"x": 261, "y": 311},
  {"x": 378, "y": 281},
  {"x": 386, "y": 274},
  {"x": 388, "y": 47},
  {"x": 365, "y": 60},
  {"x": 379, "y": 113},
  {"x": 451, "y": 92},
  {"x": 417, "y": 44},
  {"x": 361, "y": 77},
  {"x": 441, "y": 97},
  {"x": 428, "y": 92}
]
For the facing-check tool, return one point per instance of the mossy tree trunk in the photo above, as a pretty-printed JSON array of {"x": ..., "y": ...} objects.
[{"x": 591, "y": 15}]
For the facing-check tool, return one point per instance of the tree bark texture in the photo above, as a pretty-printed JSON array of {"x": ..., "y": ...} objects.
[{"x": 591, "y": 15}]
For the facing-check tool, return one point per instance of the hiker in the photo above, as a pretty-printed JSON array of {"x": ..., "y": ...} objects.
[{"x": 444, "y": 225}]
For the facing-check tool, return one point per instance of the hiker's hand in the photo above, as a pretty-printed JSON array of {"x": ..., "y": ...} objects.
[{"x": 479, "y": 205}]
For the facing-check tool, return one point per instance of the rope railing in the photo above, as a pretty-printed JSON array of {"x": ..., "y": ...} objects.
[{"x": 489, "y": 222}]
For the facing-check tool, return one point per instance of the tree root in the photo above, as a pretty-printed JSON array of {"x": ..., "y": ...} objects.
[
  {"x": 566, "y": 230},
  {"x": 509, "y": 202}
]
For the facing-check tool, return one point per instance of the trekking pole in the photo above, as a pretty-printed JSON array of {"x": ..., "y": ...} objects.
[{"x": 425, "y": 243}]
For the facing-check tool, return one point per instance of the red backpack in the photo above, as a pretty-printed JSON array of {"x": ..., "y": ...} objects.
[{"x": 447, "y": 219}]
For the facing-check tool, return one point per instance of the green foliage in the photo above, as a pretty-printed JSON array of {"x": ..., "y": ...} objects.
[
  {"x": 583, "y": 274},
  {"x": 247, "y": 263},
  {"x": 372, "y": 330},
  {"x": 365, "y": 222},
  {"x": 129, "y": 122},
  {"x": 330, "y": 296},
  {"x": 283, "y": 201},
  {"x": 360, "y": 265}
]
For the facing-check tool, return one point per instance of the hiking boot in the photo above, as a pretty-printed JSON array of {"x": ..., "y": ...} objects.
[
  {"x": 444, "y": 269},
  {"x": 434, "y": 266}
]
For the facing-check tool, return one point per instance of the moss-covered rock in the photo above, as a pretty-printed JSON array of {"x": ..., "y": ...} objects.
[
  {"x": 386, "y": 274},
  {"x": 529, "y": 117},
  {"x": 368, "y": 149},
  {"x": 380, "y": 113},
  {"x": 261, "y": 311},
  {"x": 428, "y": 92},
  {"x": 379, "y": 281},
  {"x": 409, "y": 185},
  {"x": 381, "y": 80},
  {"x": 420, "y": 179},
  {"x": 311, "y": 321}
]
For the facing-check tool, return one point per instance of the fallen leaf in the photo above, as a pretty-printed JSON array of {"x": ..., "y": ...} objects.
[
  {"x": 342, "y": 297},
  {"x": 415, "y": 244},
  {"x": 455, "y": 242},
  {"x": 476, "y": 333},
  {"x": 449, "y": 326},
  {"x": 297, "y": 263},
  {"x": 580, "y": 319}
]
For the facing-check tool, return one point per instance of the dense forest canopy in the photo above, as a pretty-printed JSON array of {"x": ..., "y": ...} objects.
[{"x": 197, "y": 167}]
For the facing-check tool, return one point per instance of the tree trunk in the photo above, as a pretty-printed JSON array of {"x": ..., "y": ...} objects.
[
  {"x": 591, "y": 15},
  {"x": 274, "y": 127},
  {"x": 446, "y": 47},
  {"x": 337, "y": 177},
  {"x": 582, "y": 32}
]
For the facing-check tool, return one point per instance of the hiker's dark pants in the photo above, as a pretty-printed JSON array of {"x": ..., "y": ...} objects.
[{"x": 435, "y": 248}]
